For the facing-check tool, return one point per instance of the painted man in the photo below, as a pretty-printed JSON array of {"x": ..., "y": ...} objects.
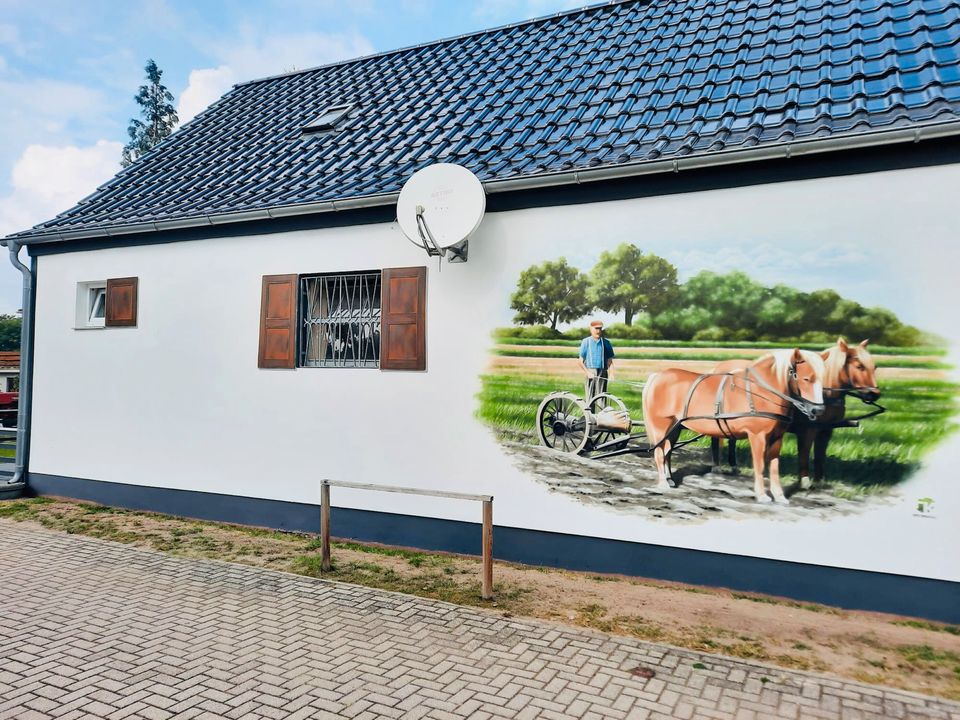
[{"x": 596, "y": 357}]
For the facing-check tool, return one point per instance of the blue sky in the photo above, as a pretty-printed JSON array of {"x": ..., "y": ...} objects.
[{"x": 69, "y": 71}]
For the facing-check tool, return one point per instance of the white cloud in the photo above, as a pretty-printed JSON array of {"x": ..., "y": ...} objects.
[
  {"x": 204, "y": 87},
  {"x": 47, "y": 180},
  {"x": 47, "y": 112},
  {"x": 256, "y": 57},
  {"x": 10, "y": 36},
  {"x": 514, "y": 10}
]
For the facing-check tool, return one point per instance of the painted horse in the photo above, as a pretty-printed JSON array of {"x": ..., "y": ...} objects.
[
  {"x": 756, "y": 402},
  {"x": 848, "y": 370}
]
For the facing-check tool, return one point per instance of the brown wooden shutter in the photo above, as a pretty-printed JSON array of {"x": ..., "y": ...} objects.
[
  {"x": 278, "y": 322},
  {"x": 403, "y": 343},
  {"x": 121, "y": 302}
]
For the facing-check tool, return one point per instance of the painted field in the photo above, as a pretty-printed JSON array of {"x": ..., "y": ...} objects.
[
  {"x": 920, "y": 397},
  {"x": 638, "y": 370},
  {"x": 931, "y": 362}
]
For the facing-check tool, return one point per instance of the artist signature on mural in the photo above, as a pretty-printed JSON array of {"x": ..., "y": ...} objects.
[{"x": 924, "y": 508}]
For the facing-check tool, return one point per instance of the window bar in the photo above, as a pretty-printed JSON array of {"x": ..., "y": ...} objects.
[{"x": 340, "y": 317}]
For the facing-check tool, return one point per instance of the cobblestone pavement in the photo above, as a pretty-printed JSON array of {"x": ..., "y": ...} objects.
[{"x": 92, "y": 629}]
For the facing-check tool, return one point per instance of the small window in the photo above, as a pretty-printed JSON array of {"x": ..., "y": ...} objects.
[
  {"x": 327, "y": 119},
  {"x": 340, "y": 320},
  {"x": 98, "y": 305},
  {"x": 91, "y": 304}
]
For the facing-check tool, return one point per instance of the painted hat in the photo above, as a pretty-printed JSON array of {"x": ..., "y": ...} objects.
[{"x": 596, "y": 323}]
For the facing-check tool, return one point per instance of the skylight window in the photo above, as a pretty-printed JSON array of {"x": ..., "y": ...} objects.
[{"x": 327, "y": 119}]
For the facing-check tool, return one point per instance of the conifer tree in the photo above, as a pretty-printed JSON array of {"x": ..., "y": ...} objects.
[{"x": 158, "y": 113}]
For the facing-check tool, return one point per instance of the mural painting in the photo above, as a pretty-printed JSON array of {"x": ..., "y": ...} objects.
[{"x": 716, "y": 396}]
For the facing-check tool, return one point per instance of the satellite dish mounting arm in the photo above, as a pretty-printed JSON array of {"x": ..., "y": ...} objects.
[
  {"x": 430, "y": 245},
  {"x": 426, "y": 238}
]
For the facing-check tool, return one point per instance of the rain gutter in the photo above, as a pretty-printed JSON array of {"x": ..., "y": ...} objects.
[
  {"x": 777, "y": 151},
  {"x": 15, "y": 485}
]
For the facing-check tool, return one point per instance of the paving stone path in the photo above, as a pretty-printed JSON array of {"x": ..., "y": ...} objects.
[{"x": 93, "y": 629}]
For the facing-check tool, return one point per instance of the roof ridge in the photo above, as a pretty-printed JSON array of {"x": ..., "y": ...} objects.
[{"x": 441, "y": 41}]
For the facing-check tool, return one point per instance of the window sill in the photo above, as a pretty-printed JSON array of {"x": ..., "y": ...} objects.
[{"x": 89, "y": 327}]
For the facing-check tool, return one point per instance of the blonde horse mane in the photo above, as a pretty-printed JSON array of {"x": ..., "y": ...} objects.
[
  {"x": 836, "y": 360},
  {"x": 783, "y": 359}
]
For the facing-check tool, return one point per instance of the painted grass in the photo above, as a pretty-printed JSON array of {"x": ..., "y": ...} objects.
[
  {"x": 709, "y": 344},
  {"x": 711, "y": 356},
  {"x": 920, "y": 414}
]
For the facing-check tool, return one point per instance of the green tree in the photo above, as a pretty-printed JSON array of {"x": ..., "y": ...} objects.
[
  {"x": 732, "y": 300},
  {"x": 627, "y": 279},
  {"x": 159, "y": 116},
  {"x": 781, "y": 313},
  {"x": 550, "y": 293},
  {"x": 683, "y": 322},
  {"x": 10, "y": 332}
]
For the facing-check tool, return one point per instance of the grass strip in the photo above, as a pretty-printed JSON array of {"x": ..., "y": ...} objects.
[{"x": 917, "y": 661}]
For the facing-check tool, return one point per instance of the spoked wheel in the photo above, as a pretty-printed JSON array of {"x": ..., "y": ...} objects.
[
  {"x": 601, "y": 437},
  {"x": 564, "y": 423}
]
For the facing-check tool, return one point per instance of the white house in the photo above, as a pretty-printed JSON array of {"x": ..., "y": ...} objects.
[{"x": 249, "y": 319}]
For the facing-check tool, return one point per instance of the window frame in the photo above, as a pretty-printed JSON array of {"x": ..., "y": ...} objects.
[
  {"x": 87, "y": 294},
  {"x": 373, "y": 319},
  {"x": 336, "y": 114}
]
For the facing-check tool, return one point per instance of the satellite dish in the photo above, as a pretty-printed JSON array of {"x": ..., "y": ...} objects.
[{"x": 439, "y": 207}]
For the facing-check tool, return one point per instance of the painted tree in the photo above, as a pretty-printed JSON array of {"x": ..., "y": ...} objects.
[
  {"x": 550, "y": 293},
  {"x": 629, "y": 280},
  {"x": 158, "y": 113}
]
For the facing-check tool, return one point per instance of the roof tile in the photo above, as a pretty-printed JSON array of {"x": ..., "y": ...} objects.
[{"x": 609, "y": 84}]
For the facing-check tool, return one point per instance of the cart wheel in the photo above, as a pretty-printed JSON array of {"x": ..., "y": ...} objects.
[
  {"x": 564, "y": 422},
  {"x": 602, "y": 437}
]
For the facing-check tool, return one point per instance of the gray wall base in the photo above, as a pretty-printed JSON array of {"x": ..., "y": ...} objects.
[
  {"x": 854, "y": 589},
  {"x": 10, "y": 491}
]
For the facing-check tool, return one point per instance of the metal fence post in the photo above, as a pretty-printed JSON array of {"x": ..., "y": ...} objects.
[
  {"x": 487, "y": 593},
  {"x": 325, "y": 526}
]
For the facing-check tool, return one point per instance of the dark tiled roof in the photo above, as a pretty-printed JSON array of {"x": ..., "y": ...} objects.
[{"x": 612, "y": 84}]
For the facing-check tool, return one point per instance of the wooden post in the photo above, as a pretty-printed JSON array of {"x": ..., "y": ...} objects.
[
  {"x": 325, "y": 526},
  {"x": 487, "y": 593}
]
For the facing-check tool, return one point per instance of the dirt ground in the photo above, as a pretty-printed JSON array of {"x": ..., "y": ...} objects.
[
  {"x": 628, "y": 484},
  {"x": 870, "y": 647}
]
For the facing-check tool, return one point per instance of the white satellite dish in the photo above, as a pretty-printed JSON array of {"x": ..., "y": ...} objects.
[{"x": 439, "y": 207}]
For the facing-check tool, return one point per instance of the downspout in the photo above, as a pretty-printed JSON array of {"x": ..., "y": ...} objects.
[{"x": 16, "y": 484}]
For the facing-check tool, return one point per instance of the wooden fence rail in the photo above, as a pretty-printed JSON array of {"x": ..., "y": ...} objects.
[{"x": 487, "y": 521}]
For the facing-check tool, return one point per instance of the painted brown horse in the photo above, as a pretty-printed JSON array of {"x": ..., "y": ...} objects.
[
  {"x": 756, "y": 402},
  {"x": 847, "y": 370}
]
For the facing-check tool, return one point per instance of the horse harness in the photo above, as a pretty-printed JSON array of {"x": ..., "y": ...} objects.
[
  {"x": 723, "y": 418},
  {"x": 837, "y": 397}
]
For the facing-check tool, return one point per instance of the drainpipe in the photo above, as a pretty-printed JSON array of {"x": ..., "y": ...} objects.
[{"x": 14, "y": 486}]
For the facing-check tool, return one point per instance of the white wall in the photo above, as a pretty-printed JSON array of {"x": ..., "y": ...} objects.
[{"x": 179, "y": 402}]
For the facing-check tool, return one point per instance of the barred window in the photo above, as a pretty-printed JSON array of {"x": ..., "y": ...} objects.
[{"x": 340, "y": 320}]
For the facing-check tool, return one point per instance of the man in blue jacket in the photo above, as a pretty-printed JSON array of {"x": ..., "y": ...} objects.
[{"x": 596, "y": 357}]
